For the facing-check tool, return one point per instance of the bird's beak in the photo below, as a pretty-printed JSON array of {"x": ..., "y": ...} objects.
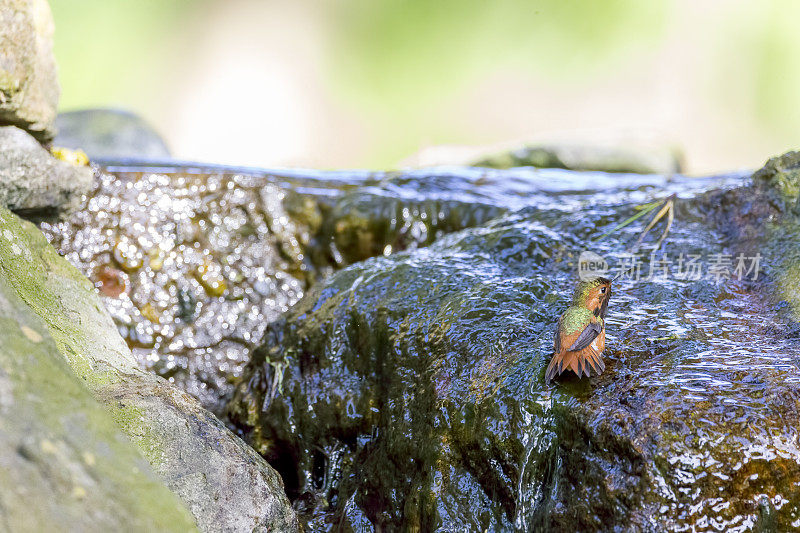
[{"x": 622, "y": 273}]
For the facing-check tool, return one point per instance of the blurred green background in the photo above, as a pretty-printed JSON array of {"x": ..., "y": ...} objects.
[{"x": 345, "y": 83}]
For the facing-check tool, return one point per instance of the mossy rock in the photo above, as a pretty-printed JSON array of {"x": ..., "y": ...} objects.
[
  {"x": 29, "y": 88},
  {"x": 589, "y": 158},
  {"x": 761, "y": 218},
  {"x": 66, "y": 464},
  {"x": 214, "y": 256},
  {"x": 221, "y": 481},
  {"x": 780, "y": 177},
  {"x": 407, "y": 392}
]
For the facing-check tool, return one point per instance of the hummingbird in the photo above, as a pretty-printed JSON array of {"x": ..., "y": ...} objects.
[{"x": 580, "y": 332}]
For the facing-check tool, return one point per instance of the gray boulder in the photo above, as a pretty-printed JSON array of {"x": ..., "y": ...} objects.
[
  {"x": 28, "y": 78},
  {"x": 589, "y": 157},
  {"x": 109, "y": 134},
  {"x": 33, "y": 182},
  {"x": 66, "y": 466},
  {"x": 225, "y": 485}
]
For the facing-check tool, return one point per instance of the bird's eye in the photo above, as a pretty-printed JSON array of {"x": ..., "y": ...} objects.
[{"x": 603, "y": 290}]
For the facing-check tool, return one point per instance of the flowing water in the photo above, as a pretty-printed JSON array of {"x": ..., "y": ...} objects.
[{"x": 381, "y": 338}]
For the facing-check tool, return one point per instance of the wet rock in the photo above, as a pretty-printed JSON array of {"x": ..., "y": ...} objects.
[
  {"x": 33, "y": 182},
  {"x": 109, "y": 134},
  {"x": 587, "y": 157},
  {"x": 407, "y": 391},
  {"x": 66, "y": 464},
  {"x": 779, "y": 181},
  {"x": 223, "y": 484},
  {"x": 776, "y": 232},
  {"x": 28, "y": 79},
  {"x": 191, "y": 266},
  {"x": 410, "y": 210},
  {"x": 744, "y": 214},
  {"x": 760, "y": 219}
]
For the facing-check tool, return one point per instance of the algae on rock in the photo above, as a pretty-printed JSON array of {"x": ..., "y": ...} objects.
[
  {"x": 61, "y": 451},
  {"x": 761, "y": 219},
  {"x": 192, "y": 265},
  {"x": 407, "y": 391},
  {"x": 222, "y": 482},
  {"x": 588, "y": 157},
  {"x": 28, "y": 78},
  {"x": 782, "y": 175}
]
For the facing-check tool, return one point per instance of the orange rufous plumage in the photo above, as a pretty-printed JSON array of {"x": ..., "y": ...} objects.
[{"x": 580, "y": 334}]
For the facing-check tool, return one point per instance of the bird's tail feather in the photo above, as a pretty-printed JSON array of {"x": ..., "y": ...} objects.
[{"x": 582, "y": 363}]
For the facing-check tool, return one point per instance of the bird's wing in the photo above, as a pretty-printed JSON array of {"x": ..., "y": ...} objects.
[{"x": 586, "y": 337}]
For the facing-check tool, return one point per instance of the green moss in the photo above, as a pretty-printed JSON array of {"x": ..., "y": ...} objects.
[
  {"x": 781, "y": 175},
  {"x": 67, "y": 303},
  {"x": 39, "y": 276},
  {"x": 134, "y": 423},
  {"x": 789, "y": 288},
  {"x": 414, "y": 392},
  {"x": 526, "y": 157},
  {"x": 781, "y": 248},
  {"x": 67, "y": 438}
]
